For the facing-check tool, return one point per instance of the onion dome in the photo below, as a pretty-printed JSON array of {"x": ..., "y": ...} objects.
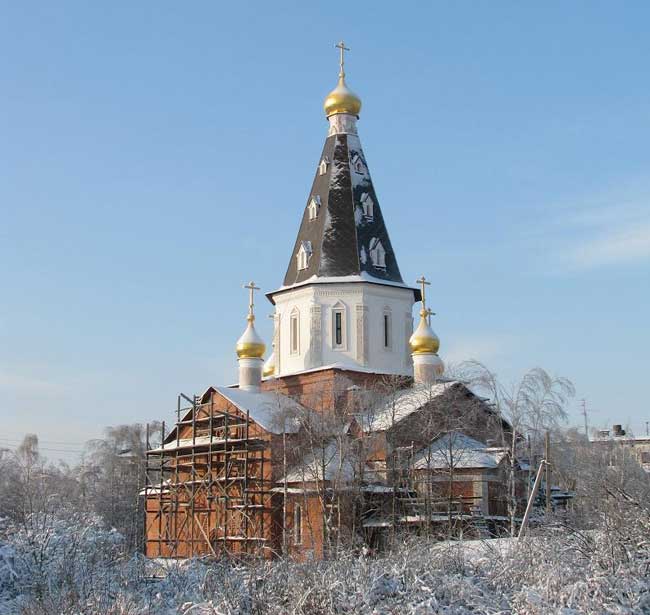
[
  {"x": 250, "y": 345},
  {"x": 424, "y": 340},
  {"x": 341, "y": 99},
  {"x": 269, "y": 366}
]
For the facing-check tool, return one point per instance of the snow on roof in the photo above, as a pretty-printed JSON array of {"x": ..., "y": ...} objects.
[
  {"x": 323, "y": 463},
  {"x": 267, "y": 409},
  {"x": 182, "y": 443},
  {"x": 456, "y": 450},
  {"x": 364, "y": 276},
  {"x": 403, "y": 404},
  {"x": 341, "y": 366}
]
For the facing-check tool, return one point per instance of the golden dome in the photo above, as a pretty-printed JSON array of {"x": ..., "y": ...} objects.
[
  {"x": 250, "y": 345},
  {"x": 342, "y": 100},
  {"x": 424, "y": 340}
]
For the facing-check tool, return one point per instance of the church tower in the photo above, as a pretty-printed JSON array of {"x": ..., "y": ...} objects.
[{"x": 343, "y": 302}]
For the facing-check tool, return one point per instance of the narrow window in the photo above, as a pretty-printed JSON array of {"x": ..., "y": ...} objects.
[
  {"x": 338, "y": 328},
  {"x": 386, "y": 331},
  {"x": 297, "y": 524},
  {"x": 377, "y": 253},
  {"x": 367, "y": 205},
  {"x": 294, "y": 333}
]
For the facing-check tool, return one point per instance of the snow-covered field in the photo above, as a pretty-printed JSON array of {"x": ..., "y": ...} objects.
[{"x": 75, "y": 566}]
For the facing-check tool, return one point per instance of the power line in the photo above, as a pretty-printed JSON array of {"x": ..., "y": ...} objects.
[{"x": 21, "y": 437}]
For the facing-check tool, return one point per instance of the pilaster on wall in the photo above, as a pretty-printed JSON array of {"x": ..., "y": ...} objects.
[
  {"x": 276, "y": 342},
  {"x": 315, "y": 357},
  {"x": 362, "y": 334},
  {"x": 408, "y": 331}
]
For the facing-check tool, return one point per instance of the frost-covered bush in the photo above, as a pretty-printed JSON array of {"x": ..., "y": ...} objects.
[
  {"x": 58, "y": 560},
  {"x": 76, "y": 566}
]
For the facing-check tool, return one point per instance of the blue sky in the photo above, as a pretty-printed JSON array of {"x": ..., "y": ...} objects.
[{"x": 155, "y": 156}]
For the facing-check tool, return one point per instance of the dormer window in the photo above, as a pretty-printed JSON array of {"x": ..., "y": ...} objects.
[
  {"x": 304, "y": 254},
  {"x": 322, "y": 167},
  {"x": 357, "y": 164},
  {"x": 377, "y": 253},
  {"x": 313, "y": 207},
  {"x": 367, "y": 205}
]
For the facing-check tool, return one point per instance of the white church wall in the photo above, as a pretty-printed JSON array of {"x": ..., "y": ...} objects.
[{"x": 363, "y": 307}]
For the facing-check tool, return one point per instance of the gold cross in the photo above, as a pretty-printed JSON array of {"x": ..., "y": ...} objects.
[
  {"x": 342, "y": 48},
  {"x": 429, "y": 314},
  {"x": 423, "y": 283},
  {"x": 251, "y": 288}
]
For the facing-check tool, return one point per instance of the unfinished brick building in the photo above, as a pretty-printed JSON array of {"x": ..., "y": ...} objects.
[{"x": 350, "y": 430}]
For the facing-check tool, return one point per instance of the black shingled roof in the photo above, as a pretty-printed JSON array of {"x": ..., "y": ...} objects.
[{"x": 340, "y": 237}]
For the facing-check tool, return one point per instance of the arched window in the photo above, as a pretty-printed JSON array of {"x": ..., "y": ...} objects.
[
  {"x": 304, "y": 254},
  {"x": 313, "y": 207},
  {"x": 377, "y": 253},
  {"x": 294, "y": 332},
  {"x": 338, "y": 326},
  {"x": 367, "y": 205}
]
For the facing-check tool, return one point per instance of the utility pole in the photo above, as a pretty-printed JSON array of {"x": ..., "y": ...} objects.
[
  {"x": 583, "y": 402},
  {"x": 547, "y": 456}
]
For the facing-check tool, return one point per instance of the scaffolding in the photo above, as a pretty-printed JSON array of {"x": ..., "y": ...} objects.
[{"x": 208, "y": 488}]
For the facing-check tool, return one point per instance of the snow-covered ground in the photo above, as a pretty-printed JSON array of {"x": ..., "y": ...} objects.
[{"x": 75, "y": 566}]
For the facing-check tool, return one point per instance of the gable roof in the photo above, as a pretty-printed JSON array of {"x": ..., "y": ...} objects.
[
  {"x": 457, "y": 450},
  {"x": 402, "y": 404},
  {"x": 326, "y": 462},
  {"x": 266, "y": 408}
]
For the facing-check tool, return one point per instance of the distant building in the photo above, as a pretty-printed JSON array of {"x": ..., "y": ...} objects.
[{"x": 639, "y": 446}]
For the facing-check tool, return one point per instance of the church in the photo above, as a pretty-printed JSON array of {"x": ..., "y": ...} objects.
[{"x": 350, "y": 431}]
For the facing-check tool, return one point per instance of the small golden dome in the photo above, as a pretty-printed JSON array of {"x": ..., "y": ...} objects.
[
  {"x": 342, "y": 100},
  {"x": 250, "y": 345},
  {"x": 424, "y": 340}
]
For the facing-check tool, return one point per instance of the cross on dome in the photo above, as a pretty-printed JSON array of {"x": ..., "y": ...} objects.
[
  {"x": 423, "y": 282},
  {"x": 342, "y": 48},
  {"x": 251, "y": 298},
  {"x": 341, "y": 99}
]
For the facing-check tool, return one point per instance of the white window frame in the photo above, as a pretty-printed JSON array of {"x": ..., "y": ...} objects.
[
  {"x": 357, "y": 164},
  {"x": 387, "y": 329},
  {"x": 339, "y": 309},
  {"x": 297, "y": 524},
  {"x": 367, "y": 205},
  {"x": 304, "y": 255},
  {"x": 294, "y": 332},
  {"x": 322, "y": 167},
  {"x": 314, "y": 207},
  {"x": 377, "y": 253}
]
